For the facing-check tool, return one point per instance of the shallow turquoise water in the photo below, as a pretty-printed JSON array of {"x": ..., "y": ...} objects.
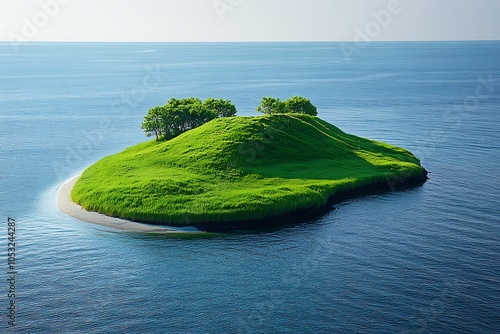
[{"x": 419, "y": 261}]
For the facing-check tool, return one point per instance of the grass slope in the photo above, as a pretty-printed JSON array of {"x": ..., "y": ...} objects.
[{"x": 239, "y": 168}]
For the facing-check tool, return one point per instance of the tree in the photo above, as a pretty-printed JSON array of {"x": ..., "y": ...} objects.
[
  {"x": 222, "y": 108},
  {"x": 301, "y": 105},
  {"x": 296, "y": 104},
  {"x": 271, "y": 105},
  {"x": 180, "y": 115},
  {"x": 153, "y": 123},
  {"x": 186, "y": 113}
]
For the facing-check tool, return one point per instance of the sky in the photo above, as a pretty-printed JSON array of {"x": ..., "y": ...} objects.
[{"x": 248, "y": 20}]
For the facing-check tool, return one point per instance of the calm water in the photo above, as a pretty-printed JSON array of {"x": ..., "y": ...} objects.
[{"x": 419, "y": 261}]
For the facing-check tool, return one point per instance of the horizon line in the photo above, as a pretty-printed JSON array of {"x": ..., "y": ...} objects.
[{"x": 256, "y": 41}]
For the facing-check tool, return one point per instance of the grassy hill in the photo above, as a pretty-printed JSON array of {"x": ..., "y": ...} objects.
[{"x": 238, "y": 169}]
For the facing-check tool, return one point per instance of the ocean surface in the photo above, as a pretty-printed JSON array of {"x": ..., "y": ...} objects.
[{"x": 425, "y": 260}]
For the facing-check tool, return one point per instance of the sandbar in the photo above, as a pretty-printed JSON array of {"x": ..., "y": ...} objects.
[{"x": 67, "y": 206}]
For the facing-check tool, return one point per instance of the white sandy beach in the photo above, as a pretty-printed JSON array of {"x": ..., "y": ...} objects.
[{"x": 67, "y": 206}]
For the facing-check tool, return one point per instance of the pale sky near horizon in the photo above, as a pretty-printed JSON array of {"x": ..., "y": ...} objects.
[{"x": 248, "y": 20}]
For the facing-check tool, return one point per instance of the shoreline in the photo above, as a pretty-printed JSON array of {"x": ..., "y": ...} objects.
[
  {"x": 391, "y": 183},
  {"x": 68, "y": 207}
]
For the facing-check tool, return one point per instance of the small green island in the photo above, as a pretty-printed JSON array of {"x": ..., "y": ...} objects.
[{"x": 208, "y": 167}]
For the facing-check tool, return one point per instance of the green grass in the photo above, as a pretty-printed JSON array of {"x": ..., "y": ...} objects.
[{"x": 239, "y": 168}]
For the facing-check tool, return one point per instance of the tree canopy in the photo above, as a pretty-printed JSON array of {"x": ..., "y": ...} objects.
[
  {"x": 301, "y": 105},
  {"x": 296, "y": 104},
  {"x": 179, "y": 115},
  {"x": 271, "y": 105}
]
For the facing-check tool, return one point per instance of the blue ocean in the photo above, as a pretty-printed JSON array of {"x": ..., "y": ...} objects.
[{"x": 423, "y": 260}]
